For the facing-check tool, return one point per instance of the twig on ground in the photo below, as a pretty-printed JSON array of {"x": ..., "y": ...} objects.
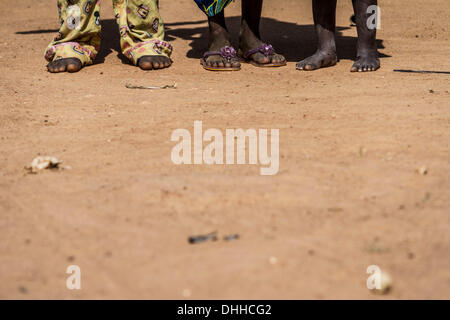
[
  {"x": 167, "y": 86},
  {"x": 203, "y": 238},
  {"x": 421, "y": 71}
]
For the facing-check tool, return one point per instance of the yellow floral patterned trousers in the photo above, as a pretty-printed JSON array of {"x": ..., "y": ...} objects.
[{"x": 141, "y": 30}]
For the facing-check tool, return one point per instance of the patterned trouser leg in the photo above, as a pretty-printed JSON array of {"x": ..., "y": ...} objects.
[
  {"x": 141, "y": 29},
  {"x": 212, "y": 7},
  {"x": 79, "y": 34}
]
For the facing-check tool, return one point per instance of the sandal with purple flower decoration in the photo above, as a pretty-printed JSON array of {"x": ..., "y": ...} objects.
[
  {"x": 227, "y": 53},
  {"x": 265, "y": 49}
]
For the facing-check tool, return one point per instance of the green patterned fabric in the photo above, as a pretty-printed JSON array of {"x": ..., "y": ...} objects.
[{"x": 212, "y": 7}]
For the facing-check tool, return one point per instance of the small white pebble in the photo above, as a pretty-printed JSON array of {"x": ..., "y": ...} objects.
[
  {"x": 423, "y": 170},
  {"x": 273, "y": 260},
  {"x": 186, "y": 293},
  {"x": 362, "y": 151}
]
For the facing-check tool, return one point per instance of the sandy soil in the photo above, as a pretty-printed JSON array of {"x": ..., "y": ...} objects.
[{"x": 347, "y": 195}]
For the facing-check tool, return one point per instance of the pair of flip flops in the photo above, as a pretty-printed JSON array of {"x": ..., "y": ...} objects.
[{"x": 230, "y": 53}]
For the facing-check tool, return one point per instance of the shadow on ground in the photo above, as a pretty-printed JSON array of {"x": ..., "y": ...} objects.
[{"x": 294, "y": 41}]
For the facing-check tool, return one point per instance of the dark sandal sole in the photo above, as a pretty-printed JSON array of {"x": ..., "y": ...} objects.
[
  {"x": 265, "y": 49},
  {"x": 265, "y": 65},
  {"x": 203, "y": 63}
]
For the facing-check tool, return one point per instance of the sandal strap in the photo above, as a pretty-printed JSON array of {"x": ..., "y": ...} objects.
[
  {"x": 265, "y": 49},
  {"x": 226, "y": 52}
]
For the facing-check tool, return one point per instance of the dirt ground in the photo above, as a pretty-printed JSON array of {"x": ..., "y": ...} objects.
[{"x": 347, "y": 195}]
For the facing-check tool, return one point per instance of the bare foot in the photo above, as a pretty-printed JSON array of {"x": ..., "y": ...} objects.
[
  {"x": 324, "y": 12},
  {"x": 65, "y": 65},
  {"x": 366, "y": 63},
  {"x": 321, "y": 59},
  {"x": 367, "y": 54},
  {"x": 154, "y": 62}
]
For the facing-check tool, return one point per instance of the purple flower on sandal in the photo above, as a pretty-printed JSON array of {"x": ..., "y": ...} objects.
[
  {"x": 267, "y": 49},
  {"x": 228, "y": 53}
]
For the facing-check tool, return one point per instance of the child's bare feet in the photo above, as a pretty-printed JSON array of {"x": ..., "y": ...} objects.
[
  {"x": 367, "y": 52},
  {"x": 366, "y": 62},
  {"x": 321, "y": 59},
  {"x": 154, "y": 62},
  {"x": 65, "y": 65},
  {"x": 325, "y": 25}
]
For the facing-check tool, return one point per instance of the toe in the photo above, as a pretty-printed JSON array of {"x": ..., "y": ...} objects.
[
  {"x": 74, "y": 66},
  {"x": 278, "y": 59},
  {"x": 299, "y": 65},
  {"x": 62, "y": 67},
  {"x": 55, "y": 66},
  {"x": 210, "y": 62},
  {"x": 219, "y": 62},
  {"x": 357, "y": 67},
  {"x": 365, "y": 65},
  {"x": 165, "y": 62},
  {"x": 156, "y": 65},
  {"x": 145, "y": 64},
  {"x": 51, "y": 67},
  {"x": 261, "y": 59},
  {"x": 155, "y": 62}
]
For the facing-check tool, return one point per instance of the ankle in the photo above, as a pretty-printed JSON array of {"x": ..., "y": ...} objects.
[
  {"x": 246, "y": 32},
  {"x": 367, "y": 52},
  {"x": 329, "y": 51}
]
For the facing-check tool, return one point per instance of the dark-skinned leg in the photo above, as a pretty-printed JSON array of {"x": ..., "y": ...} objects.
[
  {"x": 65, "y": 65},
  {"x": 367, "y": 54},
  {"x": 324, "y": 12},
  {"x": 219, "y": 37},
  {"x": 249, "y": 37}
]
